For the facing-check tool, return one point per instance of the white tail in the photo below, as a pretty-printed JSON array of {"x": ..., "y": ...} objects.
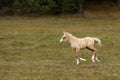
[{"x": 98, "y": 40}]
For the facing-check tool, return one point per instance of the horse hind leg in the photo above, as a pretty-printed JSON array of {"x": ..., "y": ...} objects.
[
  {"x": 97, "y": 59},
  {"x": 93, "y": 49},
  {"x": 93, "y": 56}
]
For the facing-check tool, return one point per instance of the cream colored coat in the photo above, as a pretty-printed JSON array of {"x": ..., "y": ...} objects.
[{"x": 80, "y": 43}]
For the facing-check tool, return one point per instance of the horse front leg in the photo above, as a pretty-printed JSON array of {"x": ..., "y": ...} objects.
[
  {"x": 77, "y": 59},
  {"x": 77, "y": 56},
  {"x": 82, "y": 59}
]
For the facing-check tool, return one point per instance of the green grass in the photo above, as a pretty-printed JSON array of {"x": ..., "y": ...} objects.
[{"x": 30, "y": 49}]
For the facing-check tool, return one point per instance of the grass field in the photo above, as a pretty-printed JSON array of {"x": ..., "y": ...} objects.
[{"x": 30, "y": 49}]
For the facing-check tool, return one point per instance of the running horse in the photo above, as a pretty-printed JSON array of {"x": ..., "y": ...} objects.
[{"x": 80, "y": 43}]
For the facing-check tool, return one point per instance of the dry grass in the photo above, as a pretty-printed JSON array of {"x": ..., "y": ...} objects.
[{"x": 30, "y": 50}]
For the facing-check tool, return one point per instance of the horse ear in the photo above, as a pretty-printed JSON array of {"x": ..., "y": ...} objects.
[{"x": 64, "y": 32}]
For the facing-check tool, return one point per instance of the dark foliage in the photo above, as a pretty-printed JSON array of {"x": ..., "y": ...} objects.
[{"x": 23, "y": 7}]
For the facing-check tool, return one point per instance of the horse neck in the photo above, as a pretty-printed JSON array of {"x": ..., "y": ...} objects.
[{"x": 71, "y": 39}]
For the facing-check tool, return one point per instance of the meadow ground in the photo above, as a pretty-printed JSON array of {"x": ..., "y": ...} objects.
[{"x": 30, "y": 49}]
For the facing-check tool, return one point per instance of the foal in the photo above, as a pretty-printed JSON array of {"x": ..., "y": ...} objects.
[{"x": 80, "y": 43}]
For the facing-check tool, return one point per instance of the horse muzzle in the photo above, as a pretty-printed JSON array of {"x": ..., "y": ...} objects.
[{"x": 61, "y": 41}]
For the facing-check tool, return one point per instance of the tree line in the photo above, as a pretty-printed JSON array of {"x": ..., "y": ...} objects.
[
  {"x": 21, "y": 7},
  {"x": 40, "y": 6}
]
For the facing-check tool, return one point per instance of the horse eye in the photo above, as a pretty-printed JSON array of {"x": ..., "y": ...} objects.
[{"x": 64, "y": 37}]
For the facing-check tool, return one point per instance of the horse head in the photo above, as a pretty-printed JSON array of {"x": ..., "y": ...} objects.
[{"x": 64, "y": 37}]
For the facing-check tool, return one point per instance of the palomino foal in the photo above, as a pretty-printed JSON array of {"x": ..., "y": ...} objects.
[{"x": 79, "y": 43}]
